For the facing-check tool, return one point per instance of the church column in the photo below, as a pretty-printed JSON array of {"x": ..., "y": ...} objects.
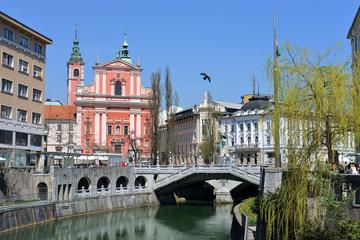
[
  {"x": 97, "y": 83},
  {"x": 78, "y": 128},
  {"x": 104, "y": 133},
  {"x": 104, "y": 83},
  {"x": 112, "y": 88},
  {"x": 131, "y": 84},
  {"x": 97, "y": 129},
  {"x": 132, "y": 123},
  {"x": 138, "y": 81},
  {"x": 123, "y": 91},
  {"x": 138, "y": 128}
]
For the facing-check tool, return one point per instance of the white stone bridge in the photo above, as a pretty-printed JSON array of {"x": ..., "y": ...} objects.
[{"x": 170, "y": 178}]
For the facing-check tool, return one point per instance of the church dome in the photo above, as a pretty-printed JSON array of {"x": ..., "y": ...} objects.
[{"x": 257, "y": 102}]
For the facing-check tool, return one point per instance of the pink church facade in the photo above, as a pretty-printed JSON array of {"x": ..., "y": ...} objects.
[{"x": 113, "y": 112}]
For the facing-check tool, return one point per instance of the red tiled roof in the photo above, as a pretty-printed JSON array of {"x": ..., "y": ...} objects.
[{"x": 60, "y": 113}]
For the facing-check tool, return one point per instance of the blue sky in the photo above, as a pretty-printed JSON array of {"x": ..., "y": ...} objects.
[{"x": 230, "y": 40}]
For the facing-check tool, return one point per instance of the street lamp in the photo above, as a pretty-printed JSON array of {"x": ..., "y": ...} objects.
[{"x": 46, "y": 134}]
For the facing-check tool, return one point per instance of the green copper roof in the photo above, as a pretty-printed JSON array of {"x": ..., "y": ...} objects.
[
  {"x": 75, "y": 54},
  {"x": 125, "y": 52}
]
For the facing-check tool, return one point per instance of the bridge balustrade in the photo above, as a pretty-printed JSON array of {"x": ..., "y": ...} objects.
[{"x": 121, "y": 189}]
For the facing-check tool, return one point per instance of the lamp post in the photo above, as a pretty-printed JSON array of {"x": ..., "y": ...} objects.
[{"x": 46, "y": 134}]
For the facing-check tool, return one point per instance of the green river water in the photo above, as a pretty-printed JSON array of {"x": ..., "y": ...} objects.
[{"x": 183, "y": 222}]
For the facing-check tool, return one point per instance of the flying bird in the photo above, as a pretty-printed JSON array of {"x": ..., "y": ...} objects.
[{"x": 205, "y": 77}]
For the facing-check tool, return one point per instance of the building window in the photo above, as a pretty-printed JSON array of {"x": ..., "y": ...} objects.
[
  {"x": 8, "y": 34},
  {"x": 109, "y": 132},
  {"x": 35, "y": 140},
  {"x": 21, "y": 115},
  {"x": 36, "y": 118},
  {"x": 126, "y": 130},
  {"x": 71, "y": 127},
  {"x": 6, "y": 137},
  {"x": 242, "y": 140},
  {"x": 23, "y": 41},
  {"x": 8, "y": 60},
  {"x": 249, "y": 139},
  {"x": 23, "y": 66},
  {"x": 38, "y": 48},
  {"x": 71, "y": 138},
  {"x": 118, "y": 88},
  {"x": 36, "y": 95},
  {"x": 37, "y": 72},
  {"x": 248, "y": 126},
  {"x": 6, "y": 86},
  {"x": 268, "y": 124},
  {"x": 22, "y": 91},
  {"x": 87, "y": 142},
  {"x": 256, "y": 139},
  {"x": 232, "y": 128},
  {"x": 5, "y": 112},
  {"x": 117, "y": 130},
  {"x": 256, "y": 126},
  {"x": 76, "y": 72},
  {"x": 58, "y": 138},
  {"x": 241, "y": 127},
  {"x": 46, "y": 127},
  {"x": 59, "y": 127},
  {"x": 268, "y": 140},
  {"x": 21, "y": 139}
]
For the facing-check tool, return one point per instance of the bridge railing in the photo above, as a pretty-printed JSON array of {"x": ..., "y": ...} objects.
[{"x": 251, "y": 172}]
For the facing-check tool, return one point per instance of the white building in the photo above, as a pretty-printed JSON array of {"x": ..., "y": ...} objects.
[{"x": 249, "y": 137}]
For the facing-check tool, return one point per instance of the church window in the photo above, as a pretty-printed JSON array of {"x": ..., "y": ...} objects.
[
  {"x": 118, "y": 88},
  {"x": 76, "y": 73},
  {"x": 117, "y": 130}
]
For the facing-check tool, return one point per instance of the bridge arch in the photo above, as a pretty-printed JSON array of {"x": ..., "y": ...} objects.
[
  {"x": 103, "y": 182},
  {"x": 84, "y": 183},
  {"x": 42, "y": 191},
  {"x": 122, "y": 182},
  {"x": 140, "y": 181}
]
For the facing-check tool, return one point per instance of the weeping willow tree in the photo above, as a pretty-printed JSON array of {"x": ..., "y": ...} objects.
[{"x": 316, "y": 111}]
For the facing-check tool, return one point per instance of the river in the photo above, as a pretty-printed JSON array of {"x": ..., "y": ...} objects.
[{"x": 183, "y": 222}]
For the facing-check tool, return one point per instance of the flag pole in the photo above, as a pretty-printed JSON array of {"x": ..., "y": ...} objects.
[{"x": 276, "y": 118}]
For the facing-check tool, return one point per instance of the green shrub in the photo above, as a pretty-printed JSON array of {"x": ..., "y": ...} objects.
[{"x": 248, "y": 208}]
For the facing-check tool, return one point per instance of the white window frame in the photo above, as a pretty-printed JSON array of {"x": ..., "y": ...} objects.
[
  {"x": 6, "y": 61},
  {"x": 39, "y": 121},
  {"x": 10, "y": 115},
  {"x": 8, "y": 30},
  {"x": 23, "y": 66},
  {"x": 37, "y": 73},
  {"x": 2, "y": 86},
  {"x": 23, "y": 40},
  {"x": 38, "y": 48},
  {"x": 18, "y": 115},
  {"x": 19, "y": 92},
  {"x": 40, "y": 97}
]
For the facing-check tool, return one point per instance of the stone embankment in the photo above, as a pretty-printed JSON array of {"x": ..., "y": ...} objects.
[
  {"x": 40, "y": 212},
  {"x": 239, "y": 227}
]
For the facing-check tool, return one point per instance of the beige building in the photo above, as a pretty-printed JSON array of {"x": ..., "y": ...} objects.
[
  {"x": 23, "y": 54},
  {"x": 192, "y": 125},
  {"x": 60, "y": 129}
]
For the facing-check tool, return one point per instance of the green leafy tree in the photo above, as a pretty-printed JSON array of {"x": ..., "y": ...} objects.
[{"x": 317, "y": 99}]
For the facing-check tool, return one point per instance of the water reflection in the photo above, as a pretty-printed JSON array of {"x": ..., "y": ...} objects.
[{"x": 166, "y": 222}]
